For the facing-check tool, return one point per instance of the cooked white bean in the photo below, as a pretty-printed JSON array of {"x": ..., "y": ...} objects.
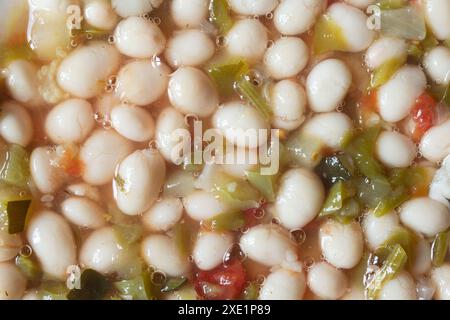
[
  {"x": 397, "y": 97},
  {"x": 50, "y": 5},
  {"x": 293, "y": 17},
  {"x": 134, "y": 7},
  {"x": 326, "y": 281},
  {"x": 384, "y": 49},
  {"x": 141, "y": 177},
  {"x": 52, "y": 241},
  {"x": 283, "y": 284},
  {"x": 83, "y": 212},
  {"x": 353, "y": 23},
  {"x": 402, "y": 287},
  {"x": 22, "y": 83},
  {"x": 189, "y": 48},
  {"x": 10, "y": 245},
  {"x": 101, "y": 153},
  {"x": 422, "y": 260},
  {"x": 16, "y": 125},
  {"x": 425, "y": 215},
  {"x": 192, "y": 92},
  {"x": 437, "y": 65},
  {"x": 288, "y": 99},
  {"x": 267, "y": 244},
  {"x": 440, "y": 185},
  {"x": 437, "y": 13},
  {"x": 286, "y": 57},
  {"x": 70, "y": 122},
  {"x": 362, "y": 4},
  {"x": 435, "y": 143},
  {"x": 164, "y": 214},
  {"x": 100, "y": 14},
  {"x": 441, "y": 279},
  {"x": 240, "y": 123},
  {"x": 168, "y": 122},
  {"x": 378, "y": 229},
  {"x": 253, "y": 7},
  {"x": 299, "y": 199},
  {"x": 189, "y": 13},
  {"x": 327, "y": 85},
  {"x": 84, "y": 68},
  {"x": 138, "y": 37},
  {"x": 202, "y": 205},
  {"x": 84, "y": 190},
  {"x": 341, "y": 244},
  {"x": 395, "y": 150},
  {"x": 240, "y": 161},
  {"x": 247, "y": 39},
  {"x": 132, "y": 122},
  {"x": 47, "y": 177},
  {"x": 162, "y": 253},
  {"x": 142, "y": 82},
  {"x": 210, "y": 249},
  {"x": 12, "y": 282},
  {"x": 331, "y": 128}
]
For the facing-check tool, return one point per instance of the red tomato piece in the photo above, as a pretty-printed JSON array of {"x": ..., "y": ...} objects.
[
  {"x": 423, "y": 114},
  {"x": 225, "y": 282}
]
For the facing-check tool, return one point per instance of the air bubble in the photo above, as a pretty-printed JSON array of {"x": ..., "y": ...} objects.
[
  {"x": 26, "y": 251},
  {"x": 156, "y": 61},
  {"x": 259, "y": 213},
  {"x": 234, "y": 253},
  {"x": 298, "y": 235},
  {"x": 111, "y": 39},
  {"x": 89, "y": 36},
  {"x": 308, "y": 262},
  {"x": 146, "y": 16},
  {"x": 261, "y": 279},
  {"x": 256, "y": 17},
  {"x": 419, "y": 154},
  {"x": 190, "y": 118},
  {"x": 269, "y": 16},
  {"x": 340, "y": 108},
  {"x": 157, "y": 20},
  {"x": 275, "y": 221},
  {"x": 98, "y": 117},
  {"x": 107, "y": 124},
  {"x": 158, "y": 278},
  {"x": 73, "y": 43},
  {"x": 221, "y": 41},
  {"x": 270, "y": 44},
  {"x": 153, "y": 145}
]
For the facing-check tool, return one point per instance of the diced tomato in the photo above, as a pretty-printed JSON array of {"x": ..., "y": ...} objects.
[
  {"x": 70, "y": 162},
  {"x": 367, "y": 108},
  {"x": 253, "y": 215},
  {"x": 225, "y": 282},
  {"x": 423, "y": 115}
]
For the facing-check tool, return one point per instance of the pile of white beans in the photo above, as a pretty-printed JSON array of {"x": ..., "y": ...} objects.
[{"x": 159, "y": 79}]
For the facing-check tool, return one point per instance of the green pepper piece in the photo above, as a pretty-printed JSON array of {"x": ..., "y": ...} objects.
[
  {"x": 439, "y": 248},
  {"x": 173, "y": 284},
  {"x": 328, "y": 36},
  {"x": 383, "y": 73},
  {"x": 339, "y": 192},
  {"x": 16, "y": 170},
  {"x": 226, "y": 75},
  {"x": 183, "y": 238},
  {"x": 237, "y": 193},
  {"x": 389, "y": 203},
  {"x": 220, "y": 15},
  {"x": 94, "y": 286},
  {"x": 128, "y": 234},
  {"x": 29, "y": 267},
  {"x": 53, "y": 290},
  {"x": 251, "y": 291},
  {"x": 407, "y": 239},
  {"x": 252, "y": 94},
  {"x": 349, "y": 212},
  {"x": 265, "y": 184},
  {"x": 232, "y": 221},
  {"x": 17, "y": 214},
  {"x": 138, "y": 288}
]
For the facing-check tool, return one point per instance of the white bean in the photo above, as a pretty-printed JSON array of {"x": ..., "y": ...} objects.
[
  {"x": 253, "y": 7},
  {"x": 293, "y": 17},
  {"x": 142, "y": 82},
  {"x": 378, "y": 229},
  {"x": 240, "y": 124},
  {"x": 286, "y": 57},
  {"x": 84, "y": 190},
  {"x": 441, "y": 279},
  {"x": 50, "y": 5},
  {"x": 23, "y": 84},
  {"x": 52, "y": 241},
  {"x": 189, "y": 48},
  {"x": 341, "y": 244},
  {"x": 47, "y": 177},
  {"x": 283, "y": 284},
  {"x": 134, "y": 7},
  {"x": 70, "y": 122},
  {"x": 83, "y": 212},
  {"x": 210, "y": 249},
  {"x": 422, "y": 260},
  {"x": 168, "y": 122},
  {"x": 101, "y": 153},
  {"x": 299, "y": 199},
  {"x": 141, "y": 177},
  {"x": 425, "y": 215},
  {"x": 267, "y": 244},
  {"x": 383, "y": 50},
  {"x": 435, "y": 143},
  {"x": 327, "y": 85},
  {"x": 397, "y": 97},
  {"x": 202, "y": 205},
  {"x": 288, "y": 99},
  {"x": 12, "y": 282},
  {"x": 189, "y": 13},
  {"x": 240, "y": 160},
  {"x": 353, "y": 23},
  {"x": 247, "y": 39},
  {"x": 331, "y": 128},
  {"x": 437, "y": 65},
  {"x": 395, "y": 150},
  {"x": 16, "y": 125},
  {"x": 10, "y": 245},
  {"x": 138, "y": 37},
  {"x": 437, "y": 13},
  {"x": 440, "y": 185},
  {"x": 163, "y": 215},
  {"x": 161, "y": 252},
  {"x": 132, "y": 122},
  {"x": 362, "y": 4},
  {"x": 402, "y": 287},
  {"x": 84, "y": 68},
  {"x": 100, "y": 14},
  {"x": 326, "y": 281}
]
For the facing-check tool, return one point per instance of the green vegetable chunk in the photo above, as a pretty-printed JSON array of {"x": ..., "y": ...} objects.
[
  {"x": 17, "y": 215},
  {"x": 405, "y": 23},
  {"x": 16, "y": 170},
  {"x": 232, "y": 221},
  {"x": 391, "y": 4},
  {"x": 226, "y": 75},
  {"x": 173, "y": 284},
  {"x": 29, "y": 267},
  {"x": 340, "y": 203},
  {"x": 439, "y": 248},
  {"x": 138, "y": 288},
  {"x": 407, "y": 239},
  {"x": 328, "y": 36},
  {"x": 220, "y": 15},
  {"x": 94, "y": 286},
  {"x": 251, "y": 291},
  {"x": 265, "y": 184},
  {"x": 383, "y": 73},
  {"x": 251, "y": 93}
]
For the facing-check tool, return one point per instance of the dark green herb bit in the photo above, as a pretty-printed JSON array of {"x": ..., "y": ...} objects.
[
  {"x": 334, "y": 168},
  {"x": 173, "y": 284},
  {"x": 439, "y": 248},
  {"x": 231, "y": 221},
  {"x": 94, "y": 286},
  {"x": 17, "y": 215}
]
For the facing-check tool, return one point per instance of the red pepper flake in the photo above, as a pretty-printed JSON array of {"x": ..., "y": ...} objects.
[{"x": 423, "y": 114}]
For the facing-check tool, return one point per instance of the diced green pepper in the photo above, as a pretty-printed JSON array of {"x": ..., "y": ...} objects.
[
  {"x": 138, "y": 288},
  {"x": 16, "y": 169},
  {"x": 29, "y": 267},
  {"x": 232, "y": 221},
  {"x": 53, "y": 290},
  {"x": 251, "y": 291},
  {"x": 407, "y": 239},
  {"x": 391, "y": 201},
  {"x": 173, "y": 284},
  {"x": 371, "y": 191},
  {"x": 415, "y": 52},
  {"x": 328, "y": 36},
  {"x": 183, "y": 238},
  {"x": 339, "y": 192},
  {"x": 265, "y": 184},
  {"x": 349, "y": 212},
  {"x": 94, "y": 286},
  {"x": 441, "y": 93},
  {"x": 220, "y": 15},
  {"x": 335, "y": 168},
  {"x": 237, "y": 193},
  {"x": 391, "y": 4},
  {"x": 303, "y": 149},
  {"x": 252, "y": 94},
  {"x": 439, "y": 248},
  {"x": 128, "y": 234},
  {"x": 17, "y": 214},
  {"x": 383, "y": 73},
  {"x": 226, "y": 75}
]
